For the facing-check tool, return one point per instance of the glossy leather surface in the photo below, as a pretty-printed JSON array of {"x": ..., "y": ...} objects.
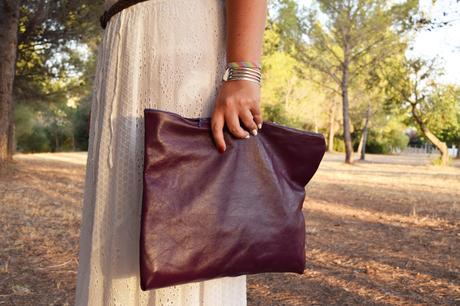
[{"x": 207, "y": 214}]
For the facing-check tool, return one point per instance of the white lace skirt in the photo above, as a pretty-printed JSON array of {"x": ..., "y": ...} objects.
[{"x": 166, "y": 54}]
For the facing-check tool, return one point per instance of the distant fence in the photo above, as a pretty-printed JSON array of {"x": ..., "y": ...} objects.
[
  {"x": 422, "y": 149},
  {"x": 427, "y": 149}
]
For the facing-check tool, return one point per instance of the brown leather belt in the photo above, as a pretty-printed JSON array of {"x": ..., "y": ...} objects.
[{"x": 116, "y": 8}]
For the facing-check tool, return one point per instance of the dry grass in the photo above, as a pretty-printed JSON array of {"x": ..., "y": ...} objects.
[
  {"x": 40, "y": 202},
  {"x": 381, "y": 232}
]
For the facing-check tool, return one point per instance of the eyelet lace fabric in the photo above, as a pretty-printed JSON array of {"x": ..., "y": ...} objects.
[{"x": 165, "y": 54}]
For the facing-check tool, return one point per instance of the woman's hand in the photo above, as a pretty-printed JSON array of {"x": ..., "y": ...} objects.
[{"x": 237, "y": 100}]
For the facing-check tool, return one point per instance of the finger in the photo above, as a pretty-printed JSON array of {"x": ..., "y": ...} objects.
[
  {"x": 233, "y": 125},
  {"x": 257, "y": 115},
  {"x": 217, "y": 125},
  {"x": 248, "y": 121}
]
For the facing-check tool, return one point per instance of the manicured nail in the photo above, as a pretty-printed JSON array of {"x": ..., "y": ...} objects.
[
  {"x": 260, "y": 125},
  {"x": 254, "y": 132},
  {"x": 247, "y": 136}
]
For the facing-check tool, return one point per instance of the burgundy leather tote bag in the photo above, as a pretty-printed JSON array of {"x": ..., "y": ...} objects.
[{"x": 207, "y": 214}]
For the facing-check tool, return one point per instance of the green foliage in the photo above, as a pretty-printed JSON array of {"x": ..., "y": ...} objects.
[
  {"x": 387, "y": 141},
  {"x": 36, "y": 141},
  {"x": 432, "y": 107},
  {"x": 287, "y": 97},
  {"x": 57, "y": 46},
  {"x": 80, "y": 122},
  {"x": 31, "y": 135},
  {"x": 285, "y": 28},
  {"x": 24, "y": 118},
  {"x": 301, "y": 75},
  {"x": 442, "y": 112},
  {"x": 55, "y": 41},
  {"x": 359, "y": 33},
  {"x": 386, "y": 135},
  {"x": 57, "y": 127},
  {"x": 339, "y": 145},
  {"x": 275, "y": 113},
  {"x": 347, "y": 41}
]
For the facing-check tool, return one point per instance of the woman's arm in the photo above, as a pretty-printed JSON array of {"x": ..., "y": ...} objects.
[{"x": 239, "y": 99}]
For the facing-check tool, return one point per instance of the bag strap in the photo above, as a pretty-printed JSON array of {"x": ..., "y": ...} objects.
[{"x": 116, "y": 8}]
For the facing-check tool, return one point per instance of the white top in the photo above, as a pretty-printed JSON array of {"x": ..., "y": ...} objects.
[{"x": 165, "y": 54}]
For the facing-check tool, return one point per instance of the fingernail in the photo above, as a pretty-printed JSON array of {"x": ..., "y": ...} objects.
[
  {"x": 247, "y": 136},
  {"x": 254, "y": 132},
  {"x": 260, "y": 125}
]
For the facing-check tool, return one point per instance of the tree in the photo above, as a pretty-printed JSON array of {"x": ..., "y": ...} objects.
[
  {"x": 444, "y": 116},
  {"x": 9, "y": 20},
  {"x": 356, "y": 35},
  {"x": 433, "y": 107},
  {"x": 38, "y": 44},
  {"x": 289, "y": 97},
  {"x": 284, "y": 31},
  {"x": 371, "y": 91}
]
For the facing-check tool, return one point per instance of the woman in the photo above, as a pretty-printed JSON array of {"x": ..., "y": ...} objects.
[{"x": 170, "y": 55}]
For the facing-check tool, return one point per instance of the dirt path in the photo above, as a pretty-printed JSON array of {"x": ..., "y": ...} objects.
[{"x": 381, "y": 232}]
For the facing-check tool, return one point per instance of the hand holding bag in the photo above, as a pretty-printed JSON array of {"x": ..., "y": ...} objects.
[{"x": 207, "y": 214}]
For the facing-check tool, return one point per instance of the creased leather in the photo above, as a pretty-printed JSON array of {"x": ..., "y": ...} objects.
[{"x": 207, "y": 214}]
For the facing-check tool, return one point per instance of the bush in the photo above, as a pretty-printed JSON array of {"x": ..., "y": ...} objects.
[
  {"x": 386, "y": 141},
  {"x": 51, "y": 128},
  {"x": 80, "y": 122},
  {"x": 275, "y": 113},
  {"x": 36, "y": 141},
  {"x": 339, "y": 145}
]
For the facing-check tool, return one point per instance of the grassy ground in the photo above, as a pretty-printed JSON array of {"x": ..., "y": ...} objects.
[{"x": 381, "y": 232}]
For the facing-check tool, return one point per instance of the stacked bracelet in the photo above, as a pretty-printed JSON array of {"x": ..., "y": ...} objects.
[
  {"x": 244, "y": 64},
  {"x": 244, "y": 70}
]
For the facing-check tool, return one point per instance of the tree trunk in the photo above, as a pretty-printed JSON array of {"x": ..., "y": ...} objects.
[
  {"x": 365, "y": 131},
  {"x": 363, "y": 150},
  {"x": 11, "y": 134},
  {"x": 441, "y": 146},
  {"x": 9, "y": 17},
  {"x": 345, "y": 109},
  {"x": 330, "y": 146},
  {"x": 360, "y": 145},
  {"x": 361, "y": 141}
]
